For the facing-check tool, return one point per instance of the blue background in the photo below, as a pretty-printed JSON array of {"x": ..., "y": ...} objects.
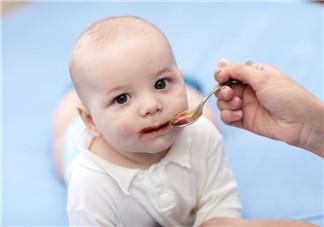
[{"x": 276, "y": 180}]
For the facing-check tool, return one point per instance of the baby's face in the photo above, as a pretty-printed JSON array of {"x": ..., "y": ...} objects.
[{"x": 135, "y": 89}]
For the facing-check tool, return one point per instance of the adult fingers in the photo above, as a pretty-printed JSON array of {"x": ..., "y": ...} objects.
[
  {"x": 225, "y": 93},
  {"x": 252, "y": 75},
  {"x": 228, "y": 92},
  {"x": 234, "y": 104},
  {"x": 230, "y": 117}
]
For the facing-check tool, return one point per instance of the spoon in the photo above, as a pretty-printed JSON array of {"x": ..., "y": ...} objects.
[{"x": 190, "y": 116}]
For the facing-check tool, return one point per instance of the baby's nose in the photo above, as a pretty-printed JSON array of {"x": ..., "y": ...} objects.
[{"x": 150, "y": 106}]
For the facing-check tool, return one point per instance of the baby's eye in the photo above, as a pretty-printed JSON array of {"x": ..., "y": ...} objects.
[
  {"x": 161, "y": 84},
  {"x": 120, "y": 99}
]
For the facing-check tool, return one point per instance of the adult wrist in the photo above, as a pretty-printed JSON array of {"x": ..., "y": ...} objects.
[{"x": 312, "y": 136}]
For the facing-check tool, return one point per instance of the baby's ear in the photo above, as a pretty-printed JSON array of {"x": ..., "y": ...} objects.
[
  {"x": 87, "y": 119},
  {"x": 180, "y": 70}
]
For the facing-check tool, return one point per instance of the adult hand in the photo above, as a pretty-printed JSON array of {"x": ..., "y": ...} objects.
[{"x": 270, "y": 103}]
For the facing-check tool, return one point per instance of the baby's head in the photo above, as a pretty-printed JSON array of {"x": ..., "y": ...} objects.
[{"x": 126, "y": 76}]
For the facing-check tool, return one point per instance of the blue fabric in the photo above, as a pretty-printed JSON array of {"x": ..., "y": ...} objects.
[
  {"x": 276, "y": 180},
  {"x": 193, "y": 82}
]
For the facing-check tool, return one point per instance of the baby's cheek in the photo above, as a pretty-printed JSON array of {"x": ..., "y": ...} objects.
[{"x": 126, "y": 128}]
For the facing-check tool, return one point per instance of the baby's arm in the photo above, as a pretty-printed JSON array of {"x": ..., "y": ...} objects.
[
  {"x": 91, "y": 217},
  {"x": 89, "y": 202}
]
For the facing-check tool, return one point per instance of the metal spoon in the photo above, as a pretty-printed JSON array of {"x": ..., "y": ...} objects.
[{"x": 190, "y": 116}]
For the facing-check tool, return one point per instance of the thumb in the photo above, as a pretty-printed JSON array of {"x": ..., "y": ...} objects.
[{"x": 250, "y": 74}]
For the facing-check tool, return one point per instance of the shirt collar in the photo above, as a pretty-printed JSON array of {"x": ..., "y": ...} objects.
[{"x": 179, "y": 153}]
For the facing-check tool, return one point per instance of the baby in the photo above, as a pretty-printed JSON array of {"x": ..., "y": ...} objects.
[{"x": 133, "y": 168}]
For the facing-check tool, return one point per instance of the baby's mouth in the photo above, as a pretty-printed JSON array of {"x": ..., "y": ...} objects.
[{"x": 153, "y": 129}]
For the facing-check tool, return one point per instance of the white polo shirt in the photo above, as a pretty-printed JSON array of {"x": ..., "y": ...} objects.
[{"x": 190, "y": 185}]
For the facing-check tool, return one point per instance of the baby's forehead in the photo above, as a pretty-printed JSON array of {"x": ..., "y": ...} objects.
[{"x": 105, "y": 34}]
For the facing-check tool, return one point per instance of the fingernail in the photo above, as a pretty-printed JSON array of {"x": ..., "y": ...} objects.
[
  {"x": 219, "y": 76},
  {"x": 234, "y": 102},
  {"x": 224, "y": 62},
  {"x": 223, "y": 94},
  {"x": 238, "y": 114}
]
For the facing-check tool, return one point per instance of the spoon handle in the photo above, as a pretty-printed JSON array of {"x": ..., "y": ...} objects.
[{"x": 218, "y": 86}]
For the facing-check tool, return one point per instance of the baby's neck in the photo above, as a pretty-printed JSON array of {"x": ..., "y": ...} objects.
[{"x": 127, "y": 159}]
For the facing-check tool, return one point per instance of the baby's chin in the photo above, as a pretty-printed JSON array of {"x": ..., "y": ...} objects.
[
  {"x": 155, "y": 149},
  {"x": 165, "y": 146}
]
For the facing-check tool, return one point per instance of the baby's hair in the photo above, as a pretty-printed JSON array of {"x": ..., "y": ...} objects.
[{"x": 102, "y": 33}]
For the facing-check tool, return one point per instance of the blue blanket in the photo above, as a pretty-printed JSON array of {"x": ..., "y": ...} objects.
[{"x": 276, "y": 180}]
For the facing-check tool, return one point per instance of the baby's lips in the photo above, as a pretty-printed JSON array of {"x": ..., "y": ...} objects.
[{"x": 146, "y": 129}]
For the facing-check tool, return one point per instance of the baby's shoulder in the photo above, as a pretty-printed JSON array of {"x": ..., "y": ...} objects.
[{"x": 89, "y": 182}]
